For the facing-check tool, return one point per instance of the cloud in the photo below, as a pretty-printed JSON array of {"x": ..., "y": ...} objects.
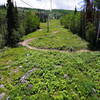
[{"x": 45, "y": 4}]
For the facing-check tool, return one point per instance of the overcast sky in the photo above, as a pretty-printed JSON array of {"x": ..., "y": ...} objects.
[{"x": 45, "y": 4}]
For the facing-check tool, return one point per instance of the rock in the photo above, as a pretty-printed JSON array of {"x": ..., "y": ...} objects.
[
  {"x": 8, "y": 98},
  {"x": 1, "y": 86},
  {"x": 30, "y": 85},
  {"x": 23, "y": 79},
  {"x": 20, "y": 66},
  {"x": 2, "y": 96},
  {"x": 28, "y": 54},
  {"x": 8, "y": 66},
  {"x": 94, "y": 90},
  {"x": 58, "y": 66},
  {"x": 66, "y": 76}
]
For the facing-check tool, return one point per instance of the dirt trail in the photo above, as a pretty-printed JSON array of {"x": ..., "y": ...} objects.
[{"x": 26, "y": 44}]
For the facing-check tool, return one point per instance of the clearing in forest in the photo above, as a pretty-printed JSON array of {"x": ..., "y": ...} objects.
[
  {"x": 50, "y": 75},
  {"x": 58, "y": 38}
]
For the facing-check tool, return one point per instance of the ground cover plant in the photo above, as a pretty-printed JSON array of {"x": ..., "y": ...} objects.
[
  {"x": 52, "y": 63},
  {"x": 57, "y": 38},
  {"x": 56, "y": 76}
]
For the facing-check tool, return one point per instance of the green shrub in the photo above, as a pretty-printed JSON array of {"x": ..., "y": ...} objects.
[
  {"x": 14, "y": 38},
  {"x": 31, "y": 22},
  {"x": 27, "y": 22},
  {"x": 71, "y": 22},
  {"x": 91, "y": 33},
  {"x": 1, "y": 41}
]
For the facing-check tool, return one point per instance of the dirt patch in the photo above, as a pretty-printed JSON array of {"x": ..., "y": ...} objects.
[{"x": 56, "y": 32}]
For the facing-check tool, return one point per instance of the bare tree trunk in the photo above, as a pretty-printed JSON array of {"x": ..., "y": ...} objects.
[{"x": 98, "y": 33}]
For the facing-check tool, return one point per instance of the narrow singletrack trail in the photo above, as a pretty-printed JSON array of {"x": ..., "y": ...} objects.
[{"x": 25, "y": 43}]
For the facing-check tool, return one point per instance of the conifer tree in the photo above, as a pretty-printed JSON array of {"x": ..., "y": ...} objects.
[
  {"x": 75, "y": 10},
  {"x": 12, "y": 24}
]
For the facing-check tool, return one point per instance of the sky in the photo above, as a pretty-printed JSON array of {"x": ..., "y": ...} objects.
[{"x": 45, "y": 4}]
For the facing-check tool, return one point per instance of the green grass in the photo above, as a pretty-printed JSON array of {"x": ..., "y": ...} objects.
[
  {"x": 37, "y": 33},
  {"x": 61, "y": 76},
  {"x": 57, "y": 38}
]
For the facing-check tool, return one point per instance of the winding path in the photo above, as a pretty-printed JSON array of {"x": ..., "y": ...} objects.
[{"x": 25, "y": 43}]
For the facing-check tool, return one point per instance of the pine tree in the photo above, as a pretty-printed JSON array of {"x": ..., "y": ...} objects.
[
  {"x": 89, "y": 11},
  {"x": 16, "y": 17},
  {"x": 12, "y": 24},
  {"x": 75, "y": 10}
]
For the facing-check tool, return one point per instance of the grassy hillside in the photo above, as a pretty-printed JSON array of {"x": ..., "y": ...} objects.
[
  {"x": 50, "y": 75},
  {"x": 55, "y": 75},
  {"x": 57, "y": 38},
  {"x": 42, "y": 66}
]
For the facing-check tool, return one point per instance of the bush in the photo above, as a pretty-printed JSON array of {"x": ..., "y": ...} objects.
[
  {"x": 31, "y": 22},
  {"x": 28, "y": 22},
  {"x": 2, "y": 42},
  {"x": 91, "y": 33},
  {"x": 3, "y": 29},
  {"x": 71, "y": 22},
  {"x": 66, "y": 21},
  {"x": 14, "y": 38},
  {"x": 21, "y": 30}
]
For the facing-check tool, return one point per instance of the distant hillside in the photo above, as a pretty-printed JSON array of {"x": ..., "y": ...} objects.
[
  {"x": 56, "y": 13},
  {"x": 43, "y": 14},
  {"x": 61, "y": 11}
]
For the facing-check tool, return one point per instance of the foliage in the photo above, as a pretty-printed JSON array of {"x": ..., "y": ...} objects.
[
  {"x": 79, "y": 22},
  {"x": 97, "y": 3},
  {"x": 15, "y": 23},
  {"x": 2, "y": 35},
  {"x": 58, "y": 38},
  {"x": 3, "y": 28},
  {"x": 31, "y": 22},
  {"x": 12, "y": 24},
  {"x": 56, "y": 75},
  {"x": 91, "y": 15},
  {"x": 60, "y": 76},
  {"x": 43, "y": 14},
  {"x": 91, "y": 33},
  {"x": 72, "y": 22}
]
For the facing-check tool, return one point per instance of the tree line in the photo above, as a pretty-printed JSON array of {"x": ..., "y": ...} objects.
[
  {"x": 85, "y": 23},
  {"x": 15, "y": 23}
]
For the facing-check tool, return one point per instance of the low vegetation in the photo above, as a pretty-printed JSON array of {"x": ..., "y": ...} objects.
[
  {"x": 39, "y": 74},
  {"x": 57, "y": 38},
  {"x": 59, "y": 76}
]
